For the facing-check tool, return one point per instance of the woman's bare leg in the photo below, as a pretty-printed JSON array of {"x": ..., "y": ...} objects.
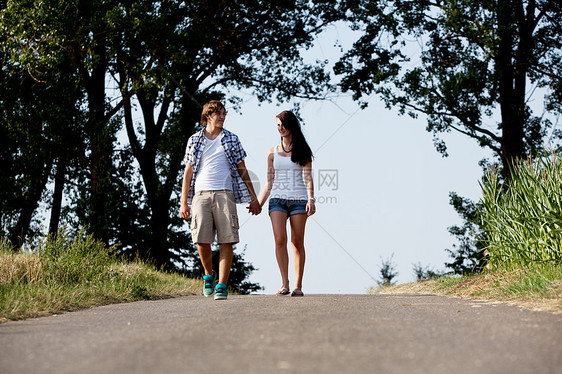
[
  {"x": 298, "y": 222},
  {"x": 279, "y": 223}
]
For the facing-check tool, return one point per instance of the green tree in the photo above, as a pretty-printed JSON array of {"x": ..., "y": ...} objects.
[
  {"x": 165, "y": 58},
  {"x": 38, "y": 124},
  {"x": 26, "y": 159},
  {"x": 213, "y": 46},
  {"x": 479, "y": 64},
  {"x": 468, "y": 256},
  {"x": 39, "y": 37}
]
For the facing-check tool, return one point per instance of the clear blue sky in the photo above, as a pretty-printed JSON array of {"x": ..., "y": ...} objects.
[{"x": 382, "y": 188}]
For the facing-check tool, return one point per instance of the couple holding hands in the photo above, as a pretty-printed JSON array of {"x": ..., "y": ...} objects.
[{"x": 216, "y": 179}]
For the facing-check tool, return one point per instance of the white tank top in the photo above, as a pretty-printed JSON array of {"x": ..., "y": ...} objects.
[
  {"x": 289, "y": 179},
  {"x": 214, "y": 172}
]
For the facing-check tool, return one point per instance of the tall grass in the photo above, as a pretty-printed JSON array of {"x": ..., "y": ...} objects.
[
  {"x": 68, "y": 273},
  {"x": 523, "y": 223}
]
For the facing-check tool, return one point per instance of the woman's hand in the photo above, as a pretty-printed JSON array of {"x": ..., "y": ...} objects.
[
  {"x": 310, "y": 207},
  {"x": 254, "y": 208}
]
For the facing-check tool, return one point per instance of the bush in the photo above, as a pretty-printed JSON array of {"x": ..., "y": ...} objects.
[
  {"x": 388, "y": 272},
  {"x": 76, "y": 260},
  {"x": 523, "y": 222},
  {"x": 64, "y": 274}
]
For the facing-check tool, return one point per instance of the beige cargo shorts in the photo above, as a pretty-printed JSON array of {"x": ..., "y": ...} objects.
[{"x": 213, "y": 213}]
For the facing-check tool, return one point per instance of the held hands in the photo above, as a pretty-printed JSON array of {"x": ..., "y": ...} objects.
[{"x": 254, "y": 208}]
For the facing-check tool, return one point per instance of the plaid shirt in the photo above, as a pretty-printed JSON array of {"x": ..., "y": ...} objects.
[{"x": 235, "y": 154}]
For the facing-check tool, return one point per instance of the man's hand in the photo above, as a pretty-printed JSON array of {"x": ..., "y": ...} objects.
[
  {"x": 184, "y": 211},
  {"x": 187, "y": 176},
  {"x": 254, "y": 208}
]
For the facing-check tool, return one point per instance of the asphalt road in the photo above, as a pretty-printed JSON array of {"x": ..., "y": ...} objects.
[{"x": 272, "y": 334}]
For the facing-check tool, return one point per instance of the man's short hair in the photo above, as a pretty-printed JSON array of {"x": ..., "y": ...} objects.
[{"x": 213, "y": 106}]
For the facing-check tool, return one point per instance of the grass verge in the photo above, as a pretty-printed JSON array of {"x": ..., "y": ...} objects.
[
  {"x": 71, "y": 274},
  {"x": 536, "y": 288}
]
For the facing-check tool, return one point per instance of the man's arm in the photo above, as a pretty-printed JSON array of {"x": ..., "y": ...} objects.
[
  {"x": 187, "y": 176},
  {"x": 255, "y": 207}
]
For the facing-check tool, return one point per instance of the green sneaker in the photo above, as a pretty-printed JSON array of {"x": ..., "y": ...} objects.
[
  {"x": 209, "y": 284},
  {"x": 221, "y": 293}
]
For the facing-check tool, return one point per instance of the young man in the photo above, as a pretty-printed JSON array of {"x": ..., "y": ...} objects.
[{"x": 215, "y": 179}]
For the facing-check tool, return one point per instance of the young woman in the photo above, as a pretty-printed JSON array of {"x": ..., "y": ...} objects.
[{"x": 289, "y": 184}]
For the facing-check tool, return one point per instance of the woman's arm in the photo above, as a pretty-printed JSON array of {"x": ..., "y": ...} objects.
[
  {"x": 270, "y": 178},
  {"x": 310, "y": 205}
]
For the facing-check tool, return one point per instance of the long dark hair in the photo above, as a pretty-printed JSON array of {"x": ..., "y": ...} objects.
[{"x": 301, "y": 154}]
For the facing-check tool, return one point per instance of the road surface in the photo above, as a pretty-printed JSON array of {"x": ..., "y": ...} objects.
[{"x": 272, "y": 334}]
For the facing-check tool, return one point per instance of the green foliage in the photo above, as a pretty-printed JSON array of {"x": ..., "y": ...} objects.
[
  {"x": 5, "y": 245},
  {"x": 164, "y": 59},
  {"x": 67, "y": 273},
  {"x": 468, "y": 255},
  {"x": 74, "y": 260},
  {"x": 465, "y": 65},
  {"x": 38, "y": 124},
  {"x": 140, "y": 292},
  {"x": 523, "y": 219},
  {"x": 536, "y": 280}
]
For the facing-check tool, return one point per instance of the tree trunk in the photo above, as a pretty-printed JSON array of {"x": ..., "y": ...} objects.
[
  {"x": 33, "y": 195},
  {"x": 511, "y": 90},
  {"x": 158, "y": 251},
  {"x": 57, "y": 196},
  {"x": 101, "y": 148}
]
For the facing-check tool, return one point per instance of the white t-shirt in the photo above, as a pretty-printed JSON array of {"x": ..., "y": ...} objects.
[
  {"x": 289, "y": 179},
  {"x": 214, "y": 172}
]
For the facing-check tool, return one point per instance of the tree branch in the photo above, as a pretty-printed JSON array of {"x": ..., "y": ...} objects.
[
  {"x": 224, "y": 82},
  {"x": 472, "y": 127},
  {"x": 127, "y": 96},
  {"x": 537, "y": 69}
]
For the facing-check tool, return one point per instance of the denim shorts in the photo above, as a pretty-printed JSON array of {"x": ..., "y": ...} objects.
[{"x": 289, "y": 207}]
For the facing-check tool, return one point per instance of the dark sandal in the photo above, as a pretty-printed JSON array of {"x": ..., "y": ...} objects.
[{"x": 297, "y": 293}]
